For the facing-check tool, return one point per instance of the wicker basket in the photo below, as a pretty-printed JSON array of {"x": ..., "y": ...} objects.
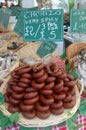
[
  {"x": 36, "y": 122},
  {"x": 73, "y": 49}
]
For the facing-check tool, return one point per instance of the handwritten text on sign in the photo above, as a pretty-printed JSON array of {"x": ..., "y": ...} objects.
[
  {"x": 78, "y": 21},
  {"x": 43, "y": 25}
]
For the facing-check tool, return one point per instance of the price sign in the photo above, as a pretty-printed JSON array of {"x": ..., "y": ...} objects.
[
  {"x": 43, "y": 25},
  {"x": 78, "y": 21},
  {"x": 19, "y": 25},
  {"x": 5, "y": 14},
  {"x": 46, "y": 48}
]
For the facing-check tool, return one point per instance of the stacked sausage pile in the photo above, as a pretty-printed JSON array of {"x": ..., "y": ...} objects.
[{"x": 40, "y": 90}]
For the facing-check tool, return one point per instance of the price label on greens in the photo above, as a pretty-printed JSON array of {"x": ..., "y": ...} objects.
[
  {"x": 5, "y": 14},
  {"x": 43, "y": 25},
  {"x": 46, "y": 48},
  {"x": 78, "y": 21}
]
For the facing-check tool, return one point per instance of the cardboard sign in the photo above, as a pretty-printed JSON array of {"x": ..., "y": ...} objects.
[
  {"x": 43, "y": 25},
  {"x": 78, "y": 21},
  {"x": 5, "y": 14},
  {"x": 46, "y": 48}
]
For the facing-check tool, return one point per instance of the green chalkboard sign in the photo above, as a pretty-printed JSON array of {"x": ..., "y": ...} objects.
[
  {"x": 78, "y": 21},
  {"x": 5, "y": 14},
  {"x": 43, "y": 25},
  {"x": 19, "y": 25},
  {"x": 46, "y": 48}
]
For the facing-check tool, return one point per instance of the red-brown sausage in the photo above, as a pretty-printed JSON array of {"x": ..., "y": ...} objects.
[
  {"x": 43, "y": 115},
  {"x": 57, "y": 111},
  {"x": 18, "y": 89},
  {"x": 43, "y": 78},
  {"x": 41, "y": 107},
  {"x": 38, "y": 74},
  {"x": 24, "y": 80},
  {"x": 36, "y": 85},
  {"x": 25, "y": 108},
  {"x": 59, "y": 96},
  {"x": 30, "y": 114},
  {"x": 32, "y": 100},
  {"x": 49, "y": 85},
  {"x": 30, "y": 95},
  {"x": 56, "y": 105},
  {"x": 47, "y": 100},
  {"x": 13, "y": 109}
]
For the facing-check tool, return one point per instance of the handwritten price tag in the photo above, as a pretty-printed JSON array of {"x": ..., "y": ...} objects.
[
  {"x": 78, "y": 21},
  {"x": 46, "y": 48},
  {"x": 43, "y": 25}
]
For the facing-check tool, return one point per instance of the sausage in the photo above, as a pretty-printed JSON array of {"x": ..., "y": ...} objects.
[
  {"x": 58, "y": 85},
  {"x": 15, "y": 80},
  {"x": 69, "y": 104},
  {"x": 38, "y": 74},
  {"x": 14, "y": 101},
  {"x": 63, "y": 75},
  {"x": 6, "y": 97},
  {"x": 43, "y": 78},
  {"x": 25, "y": 108},
  {"x": 24, "y": 85},
  {"x": 18, "y": 89},
  {"x": 43, "y": 115},
  {"x": 65, "y": 89},
  {"x": 30, "y": 89},
  {"x": 59, "y": 96},
  {"x": 66, "y": 79},
  {"x": 51, "y": 68},
  {"x": 72, "y": 90},
  {"x": 41, "y": 107},
  {"x": 24, "y": 70},
  {"x": 30, "y": 95},
  {"x": 57, "y": 111},
  {"x": 56, "y": 105},
  {"x": 36, "y": 85},
  {"x": 49, "y": 85},
  {"x": 57, "y": 74},
  {"x": 59, "y": 90},
  {"x": 46, "y": 92},
  {"x": 47, "y": 100},
  {"x": 9, "y": 90},
  {"x": 38, "y": 67},
  {"x": 17, "y": 96},
  {"x": 50, "y": 79},
  {"x": 14, "y": 75},
  {"x": 68, "y": 97},
  {"x": 24, "y": 80},
  {"x": 21, "y": 67},
  {"x": 30, "y": 114},
  {"x": 11, "y": 83},
  {"x": 70, "y": 77},
  {"x": 69, "y": 83},
  {"x": 26, "y": 75},
  {"x": 13, "y": 108},
  {"x": 31, "y": 101}
]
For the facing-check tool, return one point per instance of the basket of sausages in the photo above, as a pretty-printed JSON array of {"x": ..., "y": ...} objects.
[{"x": 41, "y": 93}]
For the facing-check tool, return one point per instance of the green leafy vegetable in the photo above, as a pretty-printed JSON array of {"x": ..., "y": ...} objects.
[
  {"x": 1, "y": 98},
  {"x": 8, "y": 121},
  {"x": 14, "y": 117},
  {"x": 82, "y": 108}
]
